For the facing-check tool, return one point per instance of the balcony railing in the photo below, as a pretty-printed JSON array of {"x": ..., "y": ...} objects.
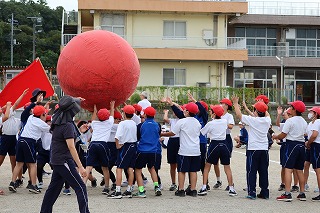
[
  {"x": 291, "y": 51},
  {"x": 284, "y": 8},
  {"x": 70, "y": 18},
  {"x": 67, "y": 38}
]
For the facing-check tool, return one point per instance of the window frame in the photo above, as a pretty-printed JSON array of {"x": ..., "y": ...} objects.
[
  {"x": 174, "y": 76},
  {"x": 174, "y": 37}
]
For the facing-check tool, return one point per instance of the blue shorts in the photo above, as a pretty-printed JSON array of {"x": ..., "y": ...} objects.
[
  {"x": 189, "y": 163},
  {"x": 282, "y": 151},
  {"x": 158, "y": 161},
  {"x": 172, "y": 150},
  {"x": 315, "y": 155},
  {"x": 98, "y": 154},
  {"x": 113, "y": 153},
  {"x": 308, "y": 155},
  {"x": 43, "y": 156},
  {"x": 26, "y": 151},
  {"x": 294, "y": 155},
  {"x": 8, "y": 145},
  {"x": 229, "y": 143},
  {"x": 218, "y": 150},
  {"x": 127, "y": 156},
  {"x": 146, "y": 159}
]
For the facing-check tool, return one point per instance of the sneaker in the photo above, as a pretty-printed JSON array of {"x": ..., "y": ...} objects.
[
  {"x": 127, "y": 194},
  {"x": 232, "y": 193},
  {"x": 306, "y": 188},
  {"x": 66, "y": 192},
  {"x": 218, "y": 185},
  {"x": 202, "y": 192},
  {"x": 124, "y": 184},
  {"x": 105, "y": 191},
  {"x": 208, "y": 187},
  {"x": 227, "y": 188},
  {"x": 180, "y": 193},
  {"x": 316, "y": 198},
  {"x": 192, "y": 193},
  {"x": 102, "y": 182},
  {"x": 46, "y": 175},
  {"x": 243, "y": 147},
  {"x": 157, "y": 191},
  {"x": 316, "y": 190},
  {"x": 294, "y": 189},
  {"x": 113, "y": 187},
  {"x": 281, "y": 187},
  {"x": 12, "y": 187},
  {"x": 250, "y": 197},
  {"x": 173, "y": 187},
  {"x": 188, "y": 189},
  {"x": 35, "y": 189},
  {"x": 115, "y": 195},
  {"x": 94, "y": 183},
  {"x": 302, "y": 197},
  {"x": 160, "y": 186},
  {"x": 40, "y": 185},
  {"x": 19, "y": 183},
  {"x": 262, "y": 197},
  {"x": 140, "y": 195},
  {"x": 145, "y": 181},
  {"x": 29, "y": 186},
  {"x": 284, "y": 197}
]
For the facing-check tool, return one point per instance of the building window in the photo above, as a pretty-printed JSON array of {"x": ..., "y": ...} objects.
[
  {"x": 255, "y": 78},
  {"x": 174, "y": 76},
  {"x": 114, "y": 23},
  {"x": 174, "y": 29},
  {"x": 9, "y": 76}
]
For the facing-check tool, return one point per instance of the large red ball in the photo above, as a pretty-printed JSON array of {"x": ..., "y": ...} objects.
[{"x": 99, "y": 66}]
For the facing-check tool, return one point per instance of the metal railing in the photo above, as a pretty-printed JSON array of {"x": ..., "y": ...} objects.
[
  {"x": 284, "y": 8},
  {"x": 67, "y": 38},
  {"x": 70, "y": 18},
  {"x": 290, "y": 51}
]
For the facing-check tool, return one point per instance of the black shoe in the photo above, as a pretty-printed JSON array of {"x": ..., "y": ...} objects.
[
  {"x": 29, "y": 186},
  {"x": 188, "y": 189},
  {"x": 285, "y": 197},
  {"x": 12, "y": 187},
  {"x": 105, "y": 191},
  {"x": 227, "y": 188},
  {"x": 113, "y": 187},
  {"x": 192, "y": 193},
  {"x": 19, "y": 183},
  {"x": 115, "y": 195},
  {"x": 127, "y": 194},
  {"x": 281, "y": 187},
  {"x": 208, "y": 187},
  {"x": 102, "y": 182},
  {"x": 94, "y": 183},
  {"x": 294, "y": 189},
  {"x": 34, "y": 189},
  {"x": 302, "y": 197},
  {"x": 180, "y": 193},
  {"x": 316, "y": 198},
  {"x": 202, "y": 192},
  {"x": 262, "y": 197},
  {"x": 157, "y": 191},
  {"x": 217, "y": 185}
]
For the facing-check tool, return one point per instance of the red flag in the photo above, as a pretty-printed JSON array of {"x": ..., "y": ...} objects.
[{"x": 34, "y": 76}]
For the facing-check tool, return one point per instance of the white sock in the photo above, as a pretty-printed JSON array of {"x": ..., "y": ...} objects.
[
  {"x": 129, "y": 188},
  {"x": 231, "y": 188},
  {"x": 203, "y": 187},
  {"x": 218, "y": 179},
  {"x": 118, "y": 188}
]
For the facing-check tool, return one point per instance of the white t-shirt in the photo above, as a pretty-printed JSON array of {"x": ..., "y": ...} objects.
[
  {"x": 113, "y": 133},
  {"x": 101, "y": 129},
  {"x": 46, "y": 139},
  {"x": 172, "y": 122},
  {"x": 229, "y": 119},
  {"x": 144, "y": 103},
  {"x": 85, "y": 137},
  {"x": 12, "y": 125},
  {"x": 34, "y": 128},
  {"x": 295, "y": 128},
  {"x": 314, "y": 127},
  {"x": 257, "y": 134},
  {"x": 127, "y": 132},
  {"x": 216, "y": 128},
  {"x": 136, "y": 119},
  {"x": 189, "y": 131}
]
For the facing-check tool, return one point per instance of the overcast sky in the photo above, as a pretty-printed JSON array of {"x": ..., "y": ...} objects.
[{"x": 73, "y": 4}]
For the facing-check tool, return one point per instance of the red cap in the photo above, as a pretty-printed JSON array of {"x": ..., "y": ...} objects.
[
  {"x": 260, "y": 106},
  {"x": 26, "y": 105},
  {"x": 129, "y": 109},
  {"x": 150, "y": 111},
  {"x": 262, "y": 97},
  {"x": 137, "y": 107},
  {"x": 103, "y": 114},
  {"x": 217, "y": 109},
  {"x": 117, "y": 115},
  {"x": 192, "y": 107},
  {"x": 299, "y": 106},
  {"x": 183, "y": 107},
  {"x": 315, "y": 109},
  {"x": 48, "y": 118},
  {"x": 226, "y": 101},
  {"x": 39, "y": 110},
  {"x": 204, "y": 104}
]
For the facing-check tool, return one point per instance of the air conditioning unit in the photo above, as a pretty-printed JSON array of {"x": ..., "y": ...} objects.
[
  {"x": 291, "y": 33},
  {"x": 283, "y": 49}
]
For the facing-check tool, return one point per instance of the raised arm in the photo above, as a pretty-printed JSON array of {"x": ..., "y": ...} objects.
[
  {"x": 165, "y": 116},
  {"x": 19, "y": 99},
  {"x": 112, "y": 108},
  {"x": 236, "y": 106},
  {"x": 6, "y": 115},
  {"x": 279, "y": 113},
  {"x": 246, "y": 108},
  {"x": 94, "y": 113}
]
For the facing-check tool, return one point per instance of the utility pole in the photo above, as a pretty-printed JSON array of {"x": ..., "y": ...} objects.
[
  {"x": 36, "y": 23},
  {"x": 11, "y": 61}
]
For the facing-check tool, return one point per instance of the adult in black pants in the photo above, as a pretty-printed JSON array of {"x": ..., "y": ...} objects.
[{"x": 64, "y": 156}]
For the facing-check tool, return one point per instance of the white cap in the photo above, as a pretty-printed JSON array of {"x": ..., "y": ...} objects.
[
  {"x": 240, "y": 123},
  {"x": 145, "y": 94}
]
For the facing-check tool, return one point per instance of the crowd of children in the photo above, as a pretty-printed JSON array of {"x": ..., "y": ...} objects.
[{"x": 199, "y": 136}]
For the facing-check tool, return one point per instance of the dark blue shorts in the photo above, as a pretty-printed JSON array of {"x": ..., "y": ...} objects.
[
  {"x": 98, "y": 154},
  {"x": 315, "y": 155},
  {"x": 308, "y": 156},
  {"x": 113, "y": 153},
  {"x": 8, "y": 145},
  {"x": 158, "y": 161},
  {"x": 172, "y": 150},
  {"x": 127, "y": 156},
  {"x": 229, "y": 143},
  {"x": 146, "y": 159},
  {"x": 218, "y": 150},
  {"x": 43, "y": 156},
  {"x": 26, "y": 151},
  {"x": 282, "y": 152},
  {"x": 189, "y": 163},
  {"x": 294, "y": 155}
]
